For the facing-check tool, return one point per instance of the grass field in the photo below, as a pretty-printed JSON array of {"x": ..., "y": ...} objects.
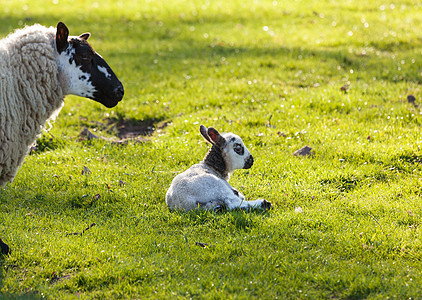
[{"x": 333, "y": 75}]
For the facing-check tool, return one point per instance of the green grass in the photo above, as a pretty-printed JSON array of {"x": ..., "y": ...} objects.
[{"x": 270, "y": 71}]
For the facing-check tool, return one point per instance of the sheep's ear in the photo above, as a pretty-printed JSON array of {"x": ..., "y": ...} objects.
[
  {"x": 61, "y": 37},
  {"x": 216, "y": 137},
  {"x": 85, "y": 36}
]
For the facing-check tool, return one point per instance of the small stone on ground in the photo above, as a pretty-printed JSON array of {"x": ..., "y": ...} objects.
[{"x": 304, "y": 151}]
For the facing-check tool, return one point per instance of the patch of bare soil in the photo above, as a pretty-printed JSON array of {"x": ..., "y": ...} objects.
[
  {"x": 129, "y": 128},
  {"x": 125, "y": 129}
]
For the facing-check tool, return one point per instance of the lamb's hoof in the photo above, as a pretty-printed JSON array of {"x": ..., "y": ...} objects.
[
  {"x": 218, "y": 208},
  {"x": 265, "y": 204},
  {"x": 4, "y": 248}
]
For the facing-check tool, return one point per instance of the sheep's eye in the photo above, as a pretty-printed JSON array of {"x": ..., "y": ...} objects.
[
  {"x": 238, "y": 148},
  {"x": 84, "y": 54}
]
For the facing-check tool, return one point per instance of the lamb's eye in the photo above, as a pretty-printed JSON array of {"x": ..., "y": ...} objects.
[
  {"x": 85, "y": 57},
  {"x": 238, "y": 148}
]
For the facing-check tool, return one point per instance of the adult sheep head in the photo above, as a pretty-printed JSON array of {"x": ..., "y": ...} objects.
[{"x": 83, "y": 72}]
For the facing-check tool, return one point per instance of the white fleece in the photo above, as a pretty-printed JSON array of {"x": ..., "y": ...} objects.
[{"x": 30, "y": 93}]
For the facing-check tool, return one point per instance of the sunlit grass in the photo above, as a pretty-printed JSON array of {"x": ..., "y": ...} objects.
[{"x": 282, "y": 74}]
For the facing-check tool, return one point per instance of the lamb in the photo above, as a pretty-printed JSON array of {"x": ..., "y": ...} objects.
[
  {"x": 38, "y": 67},
  {"x": 205, "y": 185}
]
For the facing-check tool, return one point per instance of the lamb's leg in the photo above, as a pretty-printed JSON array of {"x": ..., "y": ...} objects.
[
  {"x": 240, "y": 202},
  {"x": 4, "y": 248},
  {"x": 259, "y": 203}
]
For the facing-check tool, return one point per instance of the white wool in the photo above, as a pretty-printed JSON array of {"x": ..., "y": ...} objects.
[
  {"x": 201, "y": 187},
  {"x": 204, "y": 185},
  {"x": 30, "y": 93}
]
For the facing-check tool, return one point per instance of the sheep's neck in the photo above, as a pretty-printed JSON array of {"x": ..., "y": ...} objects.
[{"x": 214, "y": 159}]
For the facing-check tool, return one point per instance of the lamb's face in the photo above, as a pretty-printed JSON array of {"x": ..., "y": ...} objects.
[
  {"x": 235, "y": 153},
  {"x": 83, "y": 72}
]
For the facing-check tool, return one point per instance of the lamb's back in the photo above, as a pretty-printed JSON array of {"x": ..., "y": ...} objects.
[{"x": 198, "y": 184}]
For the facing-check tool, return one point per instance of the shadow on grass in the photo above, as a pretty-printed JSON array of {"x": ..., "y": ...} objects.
[
  {"x": 240, "y": 219},
  {"x": 347, "y": 183},
  {"x": 246, "y": 220},
  {"x": 25, "y": 295},
  {"x": 46, "y": 142}
]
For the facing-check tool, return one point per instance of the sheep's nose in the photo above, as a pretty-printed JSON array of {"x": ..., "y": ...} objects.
[
  {"x": 119, "y": 92},
  {"x": 248, "y": 162}
]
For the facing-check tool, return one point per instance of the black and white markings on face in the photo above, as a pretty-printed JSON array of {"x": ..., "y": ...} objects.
[
  {"x": 83, "y": 72},
  {"x": 88, "y": 75},
  {"x": 77, "y": 76},
  {"x": 104, "y": 71},
  {"x": 238, "y": 148}
]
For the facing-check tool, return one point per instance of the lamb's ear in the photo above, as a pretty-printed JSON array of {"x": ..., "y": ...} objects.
[
  {"x": 216, "y": 137},
  {"x": 204, "y": 133},
  {"x": 85, "y": 36},
  {"x": 61, "y": 37}
]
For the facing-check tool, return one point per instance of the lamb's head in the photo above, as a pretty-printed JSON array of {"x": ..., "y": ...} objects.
[
  {"x": 83, "y": 72},
  {"x": 230, "y": 147}
]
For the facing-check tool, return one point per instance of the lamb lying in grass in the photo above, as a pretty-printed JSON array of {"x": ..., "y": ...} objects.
[{"x": 205, "y": 185}]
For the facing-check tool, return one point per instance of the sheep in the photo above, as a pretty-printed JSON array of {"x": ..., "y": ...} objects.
[
  {"x": 205, "y": 185},
  {"x": 38, "y": 67}
]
